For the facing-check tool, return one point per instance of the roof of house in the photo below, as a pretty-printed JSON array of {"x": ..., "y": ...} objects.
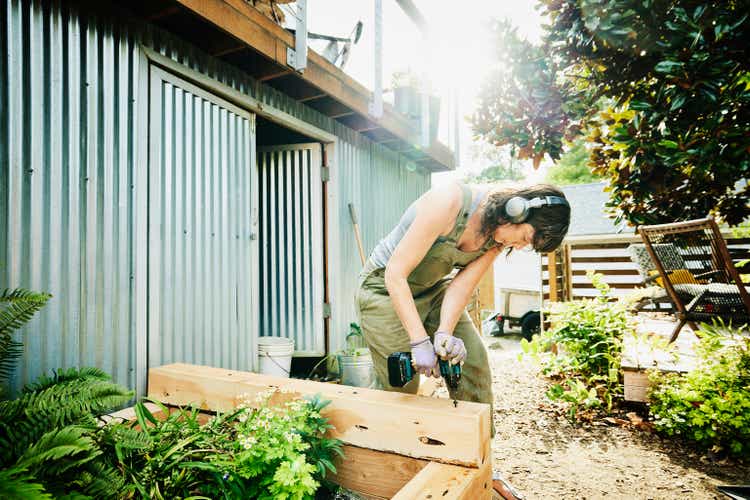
[
  {"x": 587, "y": 210},
  {"x": 236, "y": 32}
]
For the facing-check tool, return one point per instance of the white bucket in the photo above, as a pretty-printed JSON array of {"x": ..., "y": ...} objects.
[{"x": 275, "y": 355}]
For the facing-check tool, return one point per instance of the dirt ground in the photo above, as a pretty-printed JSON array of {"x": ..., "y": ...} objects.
[{"x": 544, "y": 456}]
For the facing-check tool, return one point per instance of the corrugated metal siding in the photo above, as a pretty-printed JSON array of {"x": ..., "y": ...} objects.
[
  {"x": 291, "y": 254},
  {"x": 381, "y": 185},
  {"x": 67, "y": 133},
  {"x": 201, "y": 262},
  {"x": 71, "y": 127}
]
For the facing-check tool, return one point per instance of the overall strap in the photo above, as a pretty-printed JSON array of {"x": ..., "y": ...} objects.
[{"x": 463, "y": 215}]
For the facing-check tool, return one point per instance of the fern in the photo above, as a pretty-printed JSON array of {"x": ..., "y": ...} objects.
[
  {"x": 78, "y": 396},
  {"x": 67, "y": 461},
  {"x": 17, "y": 484},
  {"x": 17, "y": 306}
]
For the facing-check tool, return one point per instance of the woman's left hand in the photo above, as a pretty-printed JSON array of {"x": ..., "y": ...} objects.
[{"x": 450, "y": 348}]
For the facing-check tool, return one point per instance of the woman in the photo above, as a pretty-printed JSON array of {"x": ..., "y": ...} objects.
[{"x": 410, "y": 300}]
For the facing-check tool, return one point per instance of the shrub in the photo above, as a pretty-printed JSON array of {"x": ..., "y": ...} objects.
[
  {"x": 711, "y": 404},
  {"x": 582, "y": 349},
  {"x": 48, "y": 435},
  {"x": 276, "y": 451}
]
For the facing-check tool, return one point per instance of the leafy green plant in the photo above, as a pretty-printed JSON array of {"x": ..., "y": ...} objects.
[
  {"x": 675, "y": 79},
  {"x": 711, "y": 404},
  {"x": 582, "y": 349},
  {"x": 17, "y": 307},
  {"x": 49, "y": 440},
  {"x": 273, "y": 447}
]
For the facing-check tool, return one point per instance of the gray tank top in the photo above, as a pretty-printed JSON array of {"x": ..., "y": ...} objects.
[{"x": 382, "y": 252}]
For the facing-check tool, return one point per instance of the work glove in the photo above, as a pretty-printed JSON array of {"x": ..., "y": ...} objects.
[
  {"x": 450, "y": 348},
  {"x": 423, "y": 357}
]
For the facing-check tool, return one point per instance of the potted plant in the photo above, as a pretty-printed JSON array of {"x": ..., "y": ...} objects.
[{"x": 408, "y": 91}]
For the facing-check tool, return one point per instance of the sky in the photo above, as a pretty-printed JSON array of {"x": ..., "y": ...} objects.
[{"x": 456, "y": 55}]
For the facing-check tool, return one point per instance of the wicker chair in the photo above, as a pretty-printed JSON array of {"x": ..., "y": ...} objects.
[{"x": 696, "y": 270}]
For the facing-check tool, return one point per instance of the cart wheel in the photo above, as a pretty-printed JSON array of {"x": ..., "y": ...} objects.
[
  {"x": 500, "y": 328},
  {"x": 531, "y": 324}
]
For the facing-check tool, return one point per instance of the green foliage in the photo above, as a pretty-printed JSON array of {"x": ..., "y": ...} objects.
[
  {"x": 70, "y": 397},
  {"x": 675, "y": 76},
  {"x": 502, "y": 165},
  {"x": 17, "y": 307},
  {"x": 711, "y": 404},
  {"x": 48, "y": 435},
  {"x": 495, "y": 173},
  {"x": 582, "y": 349},
  {"x": 277, "y": 450},
  {"x": 17, "y": 484},
  {"x": 573, "y": 167}
]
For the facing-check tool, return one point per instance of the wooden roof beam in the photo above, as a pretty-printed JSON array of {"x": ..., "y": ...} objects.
[{"x": 312, "y": 97}]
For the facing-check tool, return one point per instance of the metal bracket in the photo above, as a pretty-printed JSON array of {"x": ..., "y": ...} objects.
[
  {"x": 326, "y": 310},
  {"x": 297, "y": 57},
  {"x": 325, "y": 174}
]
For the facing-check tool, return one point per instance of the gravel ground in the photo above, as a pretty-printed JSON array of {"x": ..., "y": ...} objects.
[{"x": 544, "y": 456}]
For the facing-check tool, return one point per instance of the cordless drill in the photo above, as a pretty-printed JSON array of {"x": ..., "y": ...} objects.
[{"x": 401, "y": 371}]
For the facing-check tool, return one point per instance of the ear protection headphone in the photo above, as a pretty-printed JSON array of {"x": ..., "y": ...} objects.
[{"x": 517, "y": 209}]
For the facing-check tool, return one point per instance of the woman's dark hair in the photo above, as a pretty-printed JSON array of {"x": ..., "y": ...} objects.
[{"x": 550, "y": 222}]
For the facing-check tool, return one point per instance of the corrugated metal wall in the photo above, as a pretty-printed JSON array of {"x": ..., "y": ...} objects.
[
  {"x": 201, "y": 253},
  {"x": 67, "y": 133},
  {"x": 381, "y": 184},
  {"x": 291, "y": 246},
  {"x": 72, "y": 122}
]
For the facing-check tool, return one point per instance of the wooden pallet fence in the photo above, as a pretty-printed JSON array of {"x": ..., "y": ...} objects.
[
  {"x": 390, "y": 438},
  {"x": 608, "y": 255}
]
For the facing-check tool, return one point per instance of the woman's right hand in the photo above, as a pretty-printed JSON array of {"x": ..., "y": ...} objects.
[{"x": 423, "y": 357}]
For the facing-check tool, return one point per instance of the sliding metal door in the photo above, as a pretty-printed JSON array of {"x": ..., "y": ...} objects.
[
  {"x": 291, "y": 246},
  {"x": 202, "y": 256}
]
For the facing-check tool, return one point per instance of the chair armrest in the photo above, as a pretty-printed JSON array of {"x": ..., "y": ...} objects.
[{"x": 708, "y": 274}]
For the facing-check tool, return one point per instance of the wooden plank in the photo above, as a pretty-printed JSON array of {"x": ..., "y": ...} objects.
[
  {"x": 608, "y": 272},
  {"x": 590, "y": 260},
  {"x": 442, "y": 481},
  {"x": 375, "y": 473},
  {"x": 567, "y": 273},
  {"x": 552, "y": 271},
  {"x": 429, "y": 428},
  {"x": 636, "y": 386}
]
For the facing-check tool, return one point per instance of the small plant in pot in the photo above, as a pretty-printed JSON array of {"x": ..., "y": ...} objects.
[
  {"x": 408, "y": 90},
  {"x": 353, "y": 365}
]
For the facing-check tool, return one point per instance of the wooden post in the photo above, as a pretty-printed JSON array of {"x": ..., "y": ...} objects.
[
  {"x": 567, "y": 263},
  {"x": 552, "y": 275}
]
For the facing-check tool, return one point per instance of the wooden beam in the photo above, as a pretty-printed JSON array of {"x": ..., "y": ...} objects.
[
  {"x": 552, "y": 272},
  {"x": 273, "y": 76},
  {"x": 162, "y": 14},
  {"x": 341, "y": 115},
  {"x": 442, "y": 481},
  {"x": 427, "y": 428},
  {"x": 229, "y": 50},
  {"x": 375, "y": 473},
  {"x": 312, "y": 97},
  {"x": 246, "y": 23}
]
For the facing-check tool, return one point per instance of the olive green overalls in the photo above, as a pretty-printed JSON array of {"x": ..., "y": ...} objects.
[{"x": 382, "y": 328}]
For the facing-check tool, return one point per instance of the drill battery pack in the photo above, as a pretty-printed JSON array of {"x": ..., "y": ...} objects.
[{"x": 400, "y": 369}]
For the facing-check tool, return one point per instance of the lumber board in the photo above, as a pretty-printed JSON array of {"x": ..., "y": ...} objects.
[
  {"x": 444, "y": 481},
  {"x": 636, "y": 386},
  {"x": 414, "y": 426},
  {"x": 373, "y": 473}
]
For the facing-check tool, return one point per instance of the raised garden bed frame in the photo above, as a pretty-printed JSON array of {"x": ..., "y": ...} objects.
[{"x": 398, "y": 446}]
